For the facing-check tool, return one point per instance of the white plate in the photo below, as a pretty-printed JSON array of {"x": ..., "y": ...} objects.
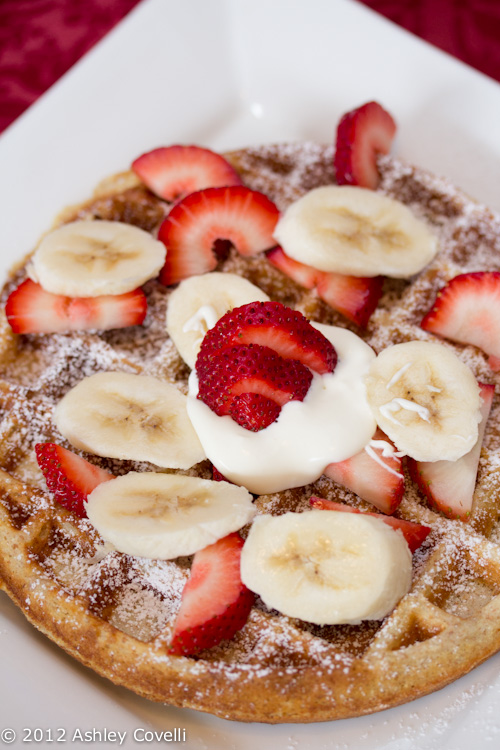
[{"x": 228, "y": 74}]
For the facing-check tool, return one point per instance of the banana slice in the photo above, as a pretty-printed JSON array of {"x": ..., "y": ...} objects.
[
  {"x": 326, "y": 567},
  {"x": 198, "y": 303},
  {"x": 425, "y": 399},
  {"x": 355, "y": 231},
  {"x": 163, "y": 516},
  {"x": 136, "y": 417},
  {"x": 93, "y": 258}
]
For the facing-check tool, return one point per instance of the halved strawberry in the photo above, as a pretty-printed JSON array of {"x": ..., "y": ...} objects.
[
  {"x": 353, "y": 296},
  {"x": 449, "y": 485},
  {"x": 30, "y": 309},
  {"x": 362, "y": 134},
  {"x": 175, "y": 171},
  {"x": 215, "y": 603},
  {"x": 414, "y": 533},
  {"x": 69, "y": 477},
  {"x": 467, "y": 310},
  {"x": 198, "y": 223},
  {"x": 375, "y": 477},
  {"x": 250, "y": 369},
  {"x": 253, "y": 411},
  {"x": 276, "y": 326}
]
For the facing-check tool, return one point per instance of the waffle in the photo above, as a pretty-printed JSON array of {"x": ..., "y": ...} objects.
[{"x": 114, "y": 613}]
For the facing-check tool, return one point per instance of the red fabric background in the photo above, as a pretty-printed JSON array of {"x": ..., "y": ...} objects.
[{"x": 41, "y": 39}]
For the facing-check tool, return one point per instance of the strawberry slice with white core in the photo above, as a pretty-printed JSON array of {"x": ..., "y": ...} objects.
[
  {"x": 467, "y": 310},
  {"x": 302, "y": 274},
  {"x": 374, "y": 474},
  {"x": 198, "y": 224},
  {"x": 175, "y": 171},
  {"x": 354, "y": 297},
  {"x": 274, "y": 325},
  {"x": 69, "y": 477},
  {"x": 449, "y": 485},
  {"x": 30, "y": 309},
  {"x": 215, "y": 603},
  {"x": 414, "y": 533},
  {"x": 362, "y": 135}
]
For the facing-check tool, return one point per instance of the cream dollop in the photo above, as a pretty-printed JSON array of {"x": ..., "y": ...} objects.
[{"x": 333, "y": 423}]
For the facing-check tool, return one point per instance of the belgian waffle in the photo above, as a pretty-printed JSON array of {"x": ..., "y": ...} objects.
[{"x": 114, "y": 612}]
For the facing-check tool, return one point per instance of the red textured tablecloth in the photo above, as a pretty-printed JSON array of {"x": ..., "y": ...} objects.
[{"x": 41, "y": 39}]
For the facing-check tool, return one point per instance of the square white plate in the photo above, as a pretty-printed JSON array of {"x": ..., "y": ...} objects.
[{"x": 230, "y": 73}]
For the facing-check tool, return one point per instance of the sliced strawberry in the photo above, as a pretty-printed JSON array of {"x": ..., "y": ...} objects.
[
  {"x": 30, "y": 309},
  {"x": 353, "y": 296},
  {"x": 175, "y": 171},
  {"x": 304, "y": 275},
  {"x": 69, "y": 477},
  {"x": 215, "y": 603},
  {"x": 217, "y": 476},
  {"x": 253, "y": 411},
  {"x": 276, "y": 326},
  {"x": 414, "y": 533},
  {"x": 449, "y": 485},
  {"x": 250, "y": 369},
  {"x": 467, "y": 310},
  {"x": 375, "y": 477},
  {"x": 362, "y": 134},
  {"x": 198, "y": 223},
  {"x": 494, "y": 363}
]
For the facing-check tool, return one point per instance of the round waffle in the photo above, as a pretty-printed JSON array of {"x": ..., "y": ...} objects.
[{"x": 115, "y": 613}]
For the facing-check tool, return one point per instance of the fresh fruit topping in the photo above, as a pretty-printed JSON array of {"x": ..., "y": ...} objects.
[
  {"x": 467, "y": 310},
  {"x": 354, "y": 231},
  {"x": 217, "y": 476},
  {"x": 198, "y": 303},
  {"x": 30, "y": 309},
  {"x": 273, "y": 325},
  {"x": 304, "y": 275},
  {"x": 374, "y": 474},
  {"x": 93, "y": 258},
  {"x": 195, "y": 227},
  {"x": 353, "y": 296},
  {"x": 215, "y": 603},
  {"x": 249, "y": 369},
  {"x": 175, "y": 171},
  {"x": 294, "y": 450},
  {"x": 494, "y": 363},
  {"x": 325, "y": 567},
  {"x": 164, "y": 516},
  {"x": 362, "y": 135},
  {"x": 414, "y": 533},
  {"x": 449, "y": 485},
  {"x": 253, "y": 411},
  {"x": 69, "y": 477},
  {"x": 425, "y": 399},
  {"x": 129, "y": 416}
]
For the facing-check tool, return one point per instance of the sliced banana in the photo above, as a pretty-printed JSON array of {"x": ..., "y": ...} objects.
[
  {"x": 198, "y": 303},
  {"x": 425, "y": 399},
  {"x": 93, "y": 258},
  {"x": 355, "y": 231},
  {"x": 163, "y": 516},
  {"x": 326, "y": 567},
  {"x": 136, "y": 417}
]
